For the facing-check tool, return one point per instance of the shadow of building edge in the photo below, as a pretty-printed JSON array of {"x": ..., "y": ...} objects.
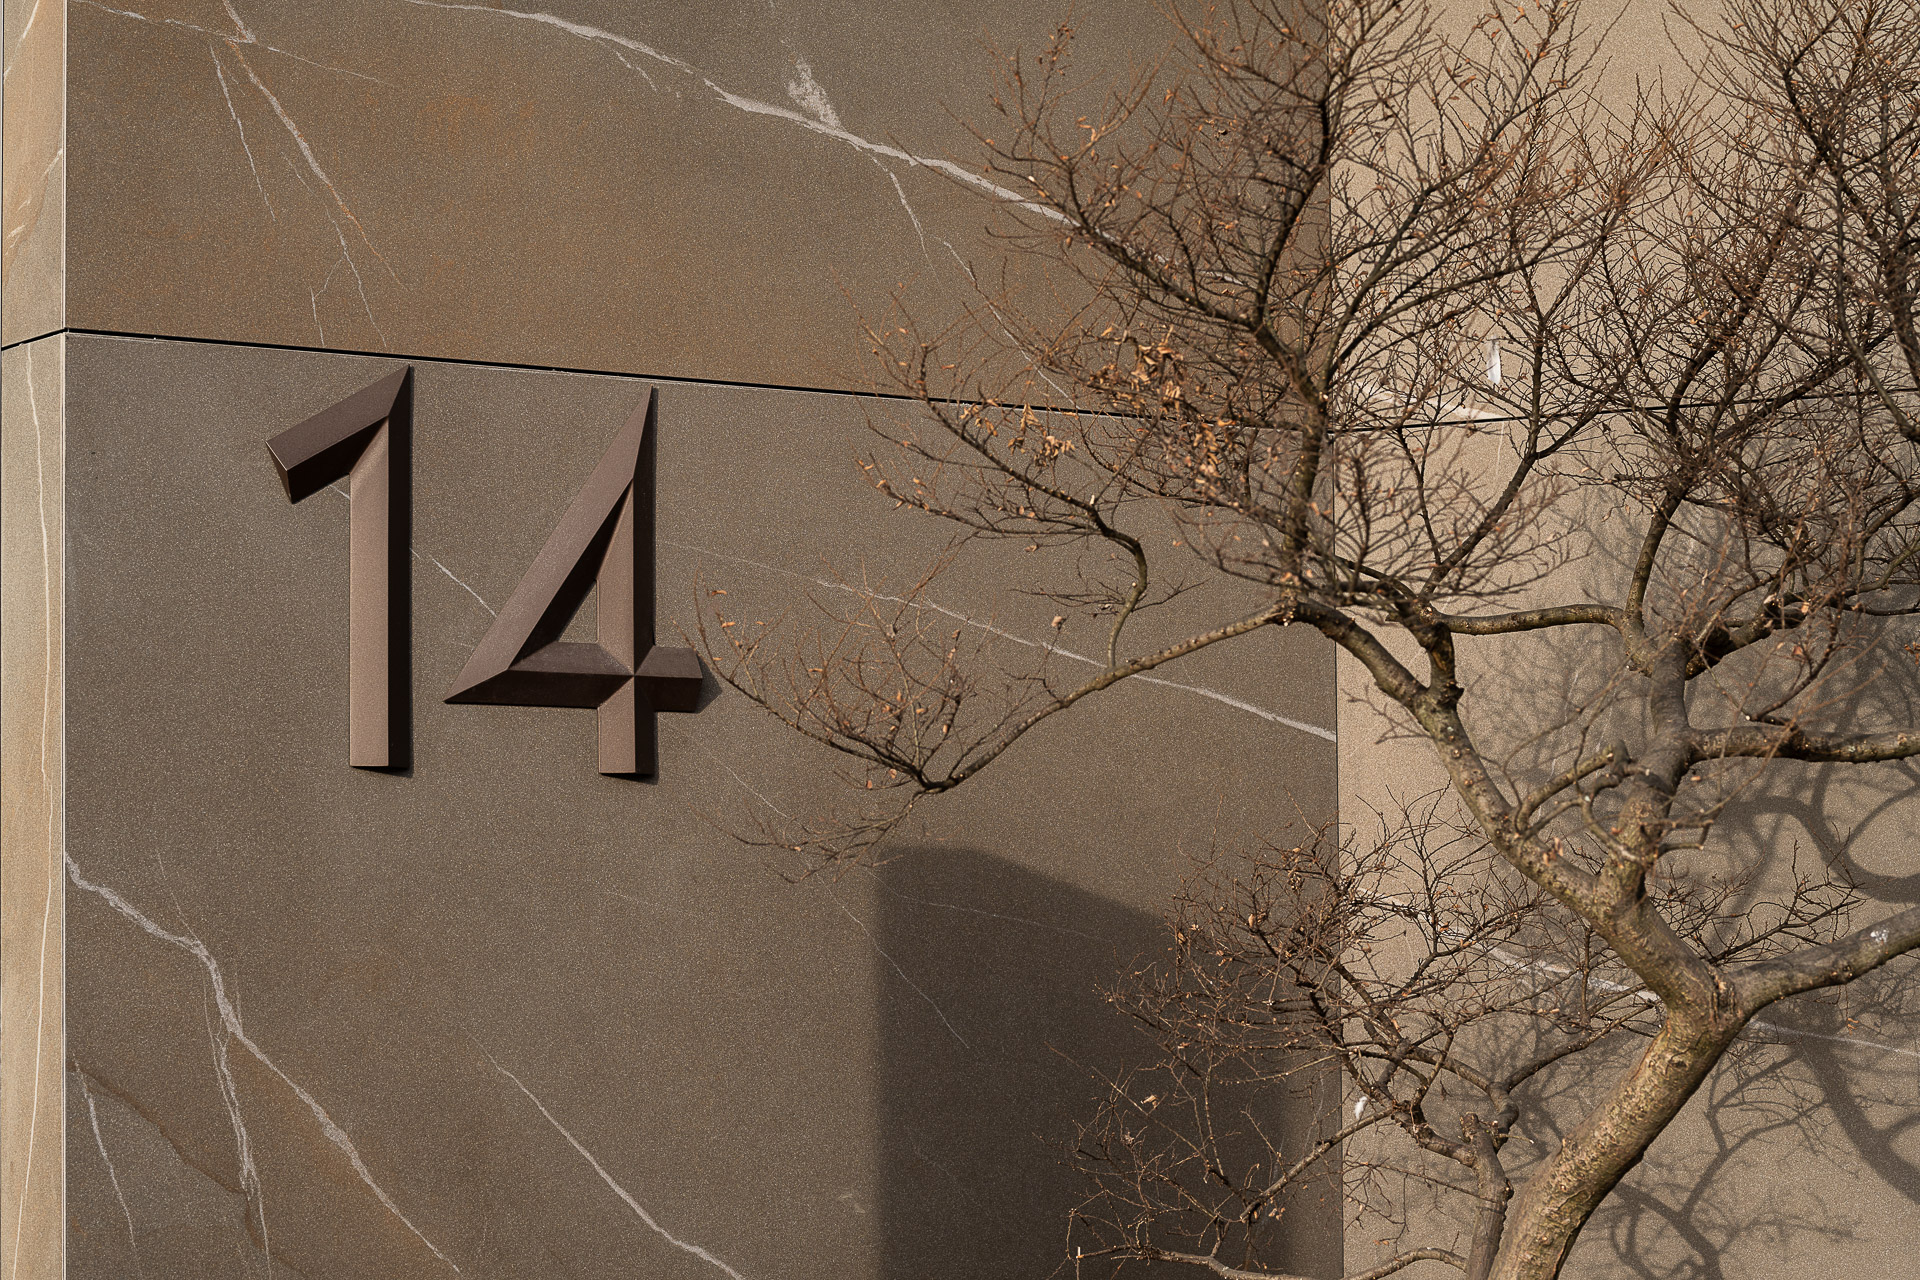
[{"x": 991, "y": 1020}]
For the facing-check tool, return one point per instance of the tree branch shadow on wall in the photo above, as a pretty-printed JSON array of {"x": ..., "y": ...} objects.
[
  {"x": 1819, "y": 1089},
  {"x": 1678, "y": 1221},
  {"x": 1806, "y": 1134},
  {"x": 992, "y": 1022}
]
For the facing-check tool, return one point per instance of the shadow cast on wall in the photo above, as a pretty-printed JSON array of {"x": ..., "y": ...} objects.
[
  {"x": 1803, "y": 1140},
  {"x": 992, "y": 1023},
  {"x": 1804, "y": 1135},
  {"x": 1693, "y": 1212}
]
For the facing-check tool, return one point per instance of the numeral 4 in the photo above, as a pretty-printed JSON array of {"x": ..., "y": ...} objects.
[{"x": 604, "y": 539}]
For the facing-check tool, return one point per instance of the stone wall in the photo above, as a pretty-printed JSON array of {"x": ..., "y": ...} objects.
[{"x": 494, "y": 1013}]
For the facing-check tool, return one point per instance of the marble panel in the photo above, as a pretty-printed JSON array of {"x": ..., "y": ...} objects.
[
  {"x": 32, "y": 809},
  {"x": 715, "y": 189},
  {"x": 499, "y": 1015},
  {"x": 33, "y": 174}
]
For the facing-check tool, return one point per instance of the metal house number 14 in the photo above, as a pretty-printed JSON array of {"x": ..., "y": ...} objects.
[{"x": 603, "y": 542}]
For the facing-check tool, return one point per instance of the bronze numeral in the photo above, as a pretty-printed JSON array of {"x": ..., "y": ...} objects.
[
  {"x": 605, "y": 538},
  {"x": 367, "y": 439}
]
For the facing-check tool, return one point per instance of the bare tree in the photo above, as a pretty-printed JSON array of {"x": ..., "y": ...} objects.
[
  {"x": 1396, "y": 330},
  {"x": 1448, "y": 993}
]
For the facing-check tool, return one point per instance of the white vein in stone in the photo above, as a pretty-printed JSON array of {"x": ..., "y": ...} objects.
[
  {"x": 27, "y": 195},
  {"x": 358, "y": 283},
  {"x": 220, "y": 72},
  {"x": 641, "y": 902},
  {"x": 1066, "y": 397},
  {"x": 46, "y": 610},
  {"x": 418, "y": 554},
  {"x": 1758, "y": 1024},
  {"x": 753, "y": 106},
  {"x": 1855, "y": 1041},
  {"x": 750, "y": 788},
  {"x": 231, "y": 1023},
  {"x": 684, "y": 1246},
  {"x": 100, "y": 1142},
  {"x": 313, "y": 297},
  {"x": 809, "y": 96},
  {"x": 1203, "y": 691},
  {"x": 462, "y": 585},
  {"x": 580, "y": 29},
  {"x": 313, "y": 164},
  {"x": 247, "y": 39},
  {"x": 918, "y": 989},
  {"x": 251, "y": 1188},
  {"x": 826, "y": 124},
  {"x": 911, "y": 216},
  {"x": 975, "y": 911},
  {"x": 246, "y": 33},
  {"x": 1642, "y": 994},
  {"x": 20, "y": 41},
  {"x": 636, "y": 68},
  {"x": 46, "y": 787}
]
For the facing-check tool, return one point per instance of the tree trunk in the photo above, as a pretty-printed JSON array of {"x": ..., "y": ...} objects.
[
  {"x": 1493, "y": 1189},
  {"x": 1559, "y": 1198}
]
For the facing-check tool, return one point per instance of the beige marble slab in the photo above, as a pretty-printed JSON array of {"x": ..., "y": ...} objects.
[
  {"x": 503, "y": 1014},
  {"x": 716, "y": 189},
  {"x": 32, "y": 811},
  {"x": 33, "y": 113}
]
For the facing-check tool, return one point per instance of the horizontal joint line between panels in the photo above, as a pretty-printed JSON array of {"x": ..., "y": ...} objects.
[
  {"x": 451, "y": 360},
  {"x": 38, "y": 337}
]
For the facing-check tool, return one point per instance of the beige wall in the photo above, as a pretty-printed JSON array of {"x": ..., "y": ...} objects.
[
  {"x": 33, "y": 156},
  {"x": 694, "y": 188},
  {"x": 33, "y": 819},
  {"x": 1799, "y": 1155}
]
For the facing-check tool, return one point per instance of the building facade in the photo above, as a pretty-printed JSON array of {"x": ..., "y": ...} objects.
[
  {"x": 483, "y": 1009},
  {"x": 487, "y": 1011}
]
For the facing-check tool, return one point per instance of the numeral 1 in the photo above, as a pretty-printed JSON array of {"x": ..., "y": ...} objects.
[{"x": 366, "y": 439}]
